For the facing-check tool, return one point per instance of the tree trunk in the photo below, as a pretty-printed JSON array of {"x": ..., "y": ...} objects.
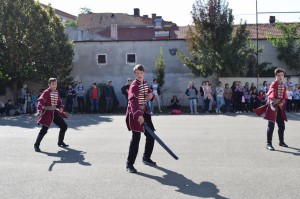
[{"x": 15, "y": 91}]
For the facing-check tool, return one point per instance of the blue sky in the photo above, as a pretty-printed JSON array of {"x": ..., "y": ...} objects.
[{"x": 178, "y": 11}]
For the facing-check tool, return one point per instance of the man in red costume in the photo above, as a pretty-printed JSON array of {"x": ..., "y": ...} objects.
[
  {"x": 136, "y": 114},
  {"x": 275, "y": 109},
  {"x": 50, "y": 110}
]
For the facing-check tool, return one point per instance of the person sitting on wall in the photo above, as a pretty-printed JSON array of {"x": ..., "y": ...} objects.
[
  {"x": 11, "y": 110},
  {"x": 2, "y": 108},
  {"x": 175, "y": 106}
]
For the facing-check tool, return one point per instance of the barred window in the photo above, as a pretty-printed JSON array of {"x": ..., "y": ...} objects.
[
  {"x": 101, "y": 59},
  {"x": 130, "y": 58}
]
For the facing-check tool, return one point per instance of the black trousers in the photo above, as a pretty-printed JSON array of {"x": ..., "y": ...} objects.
[
  {"x": 134, "y": 147},
  {"x": 281, "y": 127},
  {"x": 59, "y": 121},
  {"x": 81, "y": 107}
]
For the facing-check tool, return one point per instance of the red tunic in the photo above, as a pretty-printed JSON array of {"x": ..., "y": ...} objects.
[
  {"x": 137, "y": 106},
  {"x": 48, "y": 98},
  {"x": 276, "y": 92}
]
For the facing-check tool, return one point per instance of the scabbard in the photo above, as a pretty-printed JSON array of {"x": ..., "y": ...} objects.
[{"x": 159, "y": 141}]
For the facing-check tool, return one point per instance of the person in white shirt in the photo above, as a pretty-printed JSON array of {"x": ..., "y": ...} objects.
[
  {"x": 289, "y": 99},
  {"x": 220, "y": 97},
  {"x": 156, "y": 91}
]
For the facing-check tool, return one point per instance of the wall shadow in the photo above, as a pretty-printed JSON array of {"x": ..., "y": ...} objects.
[
  {"x": 69, "y": 156},
  {"x": 76, "y": 121},
  {"x": 184, "y": 185},
  {"x": 297, "y": 153}
]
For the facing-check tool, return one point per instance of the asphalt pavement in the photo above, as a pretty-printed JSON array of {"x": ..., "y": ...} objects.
[{"x": 220, "y": 156}]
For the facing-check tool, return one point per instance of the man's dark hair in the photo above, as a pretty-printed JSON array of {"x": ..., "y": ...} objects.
[
  {"x": 154, "y": 79},
  {"x": 279, "y": 70},
  {"x": 94, "y": 83},
  {"x": 139, "y": 67},
  {"x": 52, "y": 79}
]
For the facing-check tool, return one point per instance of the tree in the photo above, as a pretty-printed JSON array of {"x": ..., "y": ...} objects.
[
  {"x": 33, "y": 43},
  {"x": 213, "y": 47},
  {"x": 159, "y": 68},
  {"x": 85, "y": 10},
  {"x": 288, "y": 45}
]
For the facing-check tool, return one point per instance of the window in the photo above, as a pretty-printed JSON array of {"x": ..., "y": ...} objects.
[
  {"x": 101, "y": 59},
  {"x": 130, "y": 58}
]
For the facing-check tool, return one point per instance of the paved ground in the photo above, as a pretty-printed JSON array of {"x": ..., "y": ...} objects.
[{"x": 220, "y": 156}]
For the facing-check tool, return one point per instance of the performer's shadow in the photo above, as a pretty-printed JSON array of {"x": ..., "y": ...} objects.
[
  {"x": 184, "y": 185},
  {"x": 294, "y": 153},
  {"x": 68, "y": 156}
]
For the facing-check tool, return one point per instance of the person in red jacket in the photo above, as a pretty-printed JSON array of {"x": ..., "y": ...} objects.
[
  {"x": 50, "y": 110},
  {"x": 137, "y": 113},
  {"x": 275, "y": 109}
]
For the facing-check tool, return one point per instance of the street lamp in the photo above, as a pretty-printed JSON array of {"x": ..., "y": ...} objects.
[{"x": 257, "y": 68}]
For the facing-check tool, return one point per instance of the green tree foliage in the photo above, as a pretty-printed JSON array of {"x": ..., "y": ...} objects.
[
  {"x": 33, "y": 43},
  {"x": 159, "y": 68},
  {"x": 85, "y": 10},
  {"x": 288, "y": 45},
  {"x": 72, "y": 23},
  {"x": 213, "y": 47}
]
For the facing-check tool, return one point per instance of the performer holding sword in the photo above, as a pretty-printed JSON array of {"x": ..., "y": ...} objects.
[
  {"x": 51, "y": 110},
  {"x": 274, "y": 109},
  {"x": 136, "y": 114}
]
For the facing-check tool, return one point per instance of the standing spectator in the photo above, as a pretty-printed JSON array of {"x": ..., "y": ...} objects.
[
  {"x": 253, "y": 99},
  {"x": 34, "y": 98},
  {"x": 80, "y": 94},
  {"x": 289, "y": 99},
  {"x": 246, "y": 105},
  {"x": 228, "y": 96},
  {"x": 192, "y": 93},
  {"x": 207, "y": 95},
  {"x": 213, "y": 97},
  {"x": 202, "y": 96},
  {"x": 264, "y": 87},
  {"x": 94, "y": 95},
  {"x": 125, "y": 89},
  {"x": 289, "y": 84},
  {"x": 23, "y": 98},
  {"x": 296, "y": 98},
  {"x": 239, "y": 90},
  {"x": 29, "y": 103},
  {"x": 156, "y": 91},
  {"x": 220, "y": 97},
  {"x": 70, "y": 98},
  {"x": 109, "y": 96},
  {"x": 233, "y": 99},
  {"x": 252, "y": 87}
]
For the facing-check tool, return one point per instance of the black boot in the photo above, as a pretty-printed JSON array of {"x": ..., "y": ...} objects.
[
  {"x": 62, "y": 144},
  {"x": 38, "y": 141},
  {"x": 270, "y": 147},
  {"x": 37, "y": 148},
  {"x": 130, "y": 168}
]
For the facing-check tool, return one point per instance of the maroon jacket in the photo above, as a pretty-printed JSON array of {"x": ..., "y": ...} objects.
[
  {"x": 273, "y": 95},
  {"x": 136, "y": 109},
  {"x": 46, "y": 116}
]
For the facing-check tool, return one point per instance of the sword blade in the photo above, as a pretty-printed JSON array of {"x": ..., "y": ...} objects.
[{"x": 147, "y": 128}]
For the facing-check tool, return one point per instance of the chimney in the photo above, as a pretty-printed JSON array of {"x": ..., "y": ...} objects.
[
  {"x": 153, "y": 16},
  {"x": 114, "y": 31},
  {"x": 136, "y": 12},
  {"x": 272, "y": 19},
  {"x": 145, "y": 16}
]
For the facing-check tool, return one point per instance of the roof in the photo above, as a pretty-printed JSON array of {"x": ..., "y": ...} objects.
[{"x": 61, "y": 13}]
